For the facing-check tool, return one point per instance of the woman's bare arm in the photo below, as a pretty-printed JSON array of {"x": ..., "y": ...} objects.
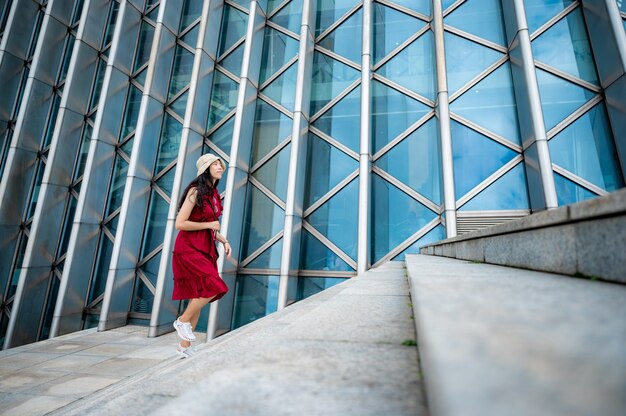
[{"x": 182, "y": 219}]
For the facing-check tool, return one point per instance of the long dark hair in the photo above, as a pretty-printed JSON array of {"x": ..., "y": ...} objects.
[{"x": 204, "y": 187}]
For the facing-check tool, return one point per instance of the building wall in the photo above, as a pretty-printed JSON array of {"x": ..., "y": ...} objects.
[{"x": 353, "y": 132}]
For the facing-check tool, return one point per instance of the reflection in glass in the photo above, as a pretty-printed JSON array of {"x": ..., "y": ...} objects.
[
  {"x": 392, "y": 113},
  {"x": 414, "y": 66},
  {"x": 309, "y": 286},
  {"x": 151, "y": 268},
  {"x": 274, "y": 173},
  {"x": 191, "y": 37},
  {"x": 278, "y": 49},
  {"x": 145, "y": 44},
  {"x": 223, "y": 98},
  {"x": 289, "y": 16},
  {"x": 565, "y": 46},
  {"x": 415, "y": 161},
  {"x": 539, "y": 12},
  {"x": 191, "y": 10},
  {"x": 255, "y": 297},
  {"x": 421, "y": 6},
  {"x": 436, "y": 234},
  {"x": 475, "y": 157},
  {"x": 283, "y": 89},
  {"x": 346, "y": 39},
  {"x": 155, "y": 224},
  {"x": 326, "y": 167},
  {"x": 329, "y": 11},
  {"x": 390, "y": 28},
  {"x": 143, "y": 298},
  {"x": 586, "y": 149},
  {"x": 98, "y": 282},
  {"x": 395, "y": 217},
  {"x": 233, "y": 28},
  {"x": 482, "y": 18},
  {"x": 131, "y": 113},
  {"x": 568, "y": 192},
  {"x": 223, "y": 136},
  {"x": 166, "y": 181},
  {"x": 180, "y": 105},
  {"x": 116, "y": 190},
  {"x": 559, "y": 98},
  {"x": 329, "y": 78},
  {"x": 491, "y": 104},
  {"x": 509, "y": 192},
  {"x": 465, "y": 60},
  {"x": 181, "y": 72},
  {"x": 316, "y": 256},
  {"x": 336, "y": 219},
  {"x": 271, "y": 127},
  {"x": 169, "y": 143},
  {"x": 269, "y": 259},
  {"x": 263, "y": 220},
  {"x": 343, "y": 120}
]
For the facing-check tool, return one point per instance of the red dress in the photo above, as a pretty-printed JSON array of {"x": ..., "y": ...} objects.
[{"x": 194, "y": 260}]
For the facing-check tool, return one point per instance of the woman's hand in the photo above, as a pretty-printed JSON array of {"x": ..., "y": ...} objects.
[
  {"x": 213, "y": 225},
  {"x": 227, "y": 249}
]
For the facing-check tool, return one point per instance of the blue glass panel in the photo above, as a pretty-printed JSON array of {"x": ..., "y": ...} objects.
[
  {"x": 223, "y": 137},
  {"x": 131, "y": 112},
  {"x": 326, "y": 167},
  {"x": 482, "y": 18},
  {"x": 316, "y": 256},
  {"x": 395, "y": 217},
  {"x": 336, "y": 219},
  {"x": 271, "y": 127},
  {"x": 392, "y": 113},
  {"x": 191, "y": 37},
  {"x": 113, "y": 11},
  {"x": 465, "y": 60},
  {"x": 141, "y": 77},
  {"x": 330, "y": 77},
  {"x": 565, "y": 46},
  {"x": 143, "y": 298},
  {"x": 621, "y": 4},
  {"x": 290, "y": 16},
  {"x": 278, "y": 49},
  {"x": 559, "y": 98},
  {"x": 274, "y": 173},
  {"x": 83, "y": 151},
  {"x": 166, "y": 182},
  {"x": 329, "y": 11},
  {"x": 390, "y": 28},
  {"x": 263, "y": 220},
  {"x": 97, "y": 87},
  {"x": 447, "y": 3},
  {"x": 309, "y": 286},
  {"x": 151, "y": 268},
  {"x": 415, "y": 161},
  {"x": 255, "y": 297},
  {"x": 191, "y": 10},
  {"x": 145, "y": 44},
  {"x": 414, "y": 67},
  {"x": 475, "y": 156},
  {"x": 508, "y": 192},
  {"x": 170, "y": 141},
  {"x": 153, "y": 14},
  {"x": 243, "y": 3},
  {"x": 233, "y": 28},
  {"x": 223, "y": 98},
  {"x": 491, "y": 104},
  {"x": 283, "y": 89},
  {"x": 98, "y": 282},
  {"x": 181, "y": 72},
  {"x": 155, "y": 224},
  {"x": 118, "y": 181},
  {"x": 568, "y": 192},
  {"x": 269, "y": 259},
  {"x": 180, "y": 105},
  {"x": 420, "y": 6},
  {"x": 436, "y": 234},
  {"x": 343, "y": 120},
  {"x": 346, "y": 39},
  {"x": 586, "y": 148},
  {"x": 233, "y": 61},
  {"x": 272, "y": 5},
  {"x": 539, "y": 12},
  {"x": 68, "y": 223}
]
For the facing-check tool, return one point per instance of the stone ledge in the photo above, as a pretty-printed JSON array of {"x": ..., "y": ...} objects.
[{"x": 586, "y": 240}]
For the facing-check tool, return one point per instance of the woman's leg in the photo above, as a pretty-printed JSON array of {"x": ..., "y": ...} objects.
[{"x": 192, "y": 314}]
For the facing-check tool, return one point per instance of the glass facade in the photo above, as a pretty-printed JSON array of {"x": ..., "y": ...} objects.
[{"x": 353, "y": 133}]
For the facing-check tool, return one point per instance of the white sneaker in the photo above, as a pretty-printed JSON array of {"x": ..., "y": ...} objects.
[
  {"x": 184, "y": 330},
  {"x": 185, "y": 352}
]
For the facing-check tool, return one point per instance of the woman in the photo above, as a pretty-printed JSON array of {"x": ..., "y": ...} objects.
[{"x": 194, "y": 260}]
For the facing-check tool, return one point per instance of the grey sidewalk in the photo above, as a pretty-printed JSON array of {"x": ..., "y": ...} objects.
[{"x": 337, "y": 353}]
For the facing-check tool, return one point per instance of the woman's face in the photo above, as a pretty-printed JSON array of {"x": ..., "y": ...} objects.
[{"x": 216, "y": 170}]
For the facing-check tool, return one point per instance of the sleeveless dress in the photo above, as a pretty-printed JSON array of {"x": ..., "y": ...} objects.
[{"x": 194, "y": 259}]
